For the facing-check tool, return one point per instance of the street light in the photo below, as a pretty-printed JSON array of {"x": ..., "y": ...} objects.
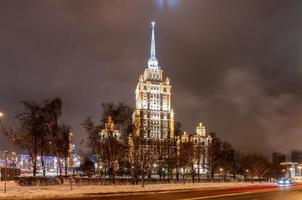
[
  {"x": 221, "y": 172},
  {"x": 1, "y": 116},
  {"x": 284, "y": 172},
  {"x": 5, "y": 172},
  {"x": 14, "y": 139}
]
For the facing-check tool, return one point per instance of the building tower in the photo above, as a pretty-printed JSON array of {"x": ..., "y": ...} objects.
[{"x": 153, "y": 115}]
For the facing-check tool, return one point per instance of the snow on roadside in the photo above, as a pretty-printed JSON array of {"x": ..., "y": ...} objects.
[{"x": 31, "y": 192}]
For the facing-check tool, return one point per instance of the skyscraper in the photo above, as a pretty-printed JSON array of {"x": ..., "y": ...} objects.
[
  {"x": 278, "y": 158},
  {"x": 296, "y": 156},
  {"x": 153, "y": 115}
]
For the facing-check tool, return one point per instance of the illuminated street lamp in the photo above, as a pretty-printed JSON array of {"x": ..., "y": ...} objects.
[
  {"x": 246, "y": 174},
  {"x": 221, "y": 172},
  {"x": 1, "y": 116},
  {"x": 284, "y": 172},
  {"x": 13, "y": 139}
]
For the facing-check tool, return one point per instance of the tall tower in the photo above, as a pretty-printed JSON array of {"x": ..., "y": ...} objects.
[{"x": 153, "y": 115}]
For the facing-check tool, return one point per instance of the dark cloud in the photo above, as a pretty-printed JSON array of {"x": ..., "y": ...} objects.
[{"x": 235, "y": 65}]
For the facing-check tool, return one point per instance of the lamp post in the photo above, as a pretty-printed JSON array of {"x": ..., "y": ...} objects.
[
  {"x": 247, "y": 173},
  {"x": 283, "y": 172},
  {"x": 13, "y": 138},
  {"x": 221, "y": 172},
  {"x": 1, "y": 116},
  {"x": 5, "y": 172}
]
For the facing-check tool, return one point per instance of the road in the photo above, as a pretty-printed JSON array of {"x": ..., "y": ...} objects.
[{"x": 244, "y": 193}]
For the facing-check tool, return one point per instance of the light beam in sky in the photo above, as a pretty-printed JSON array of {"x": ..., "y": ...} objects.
[{"x": 170, "y": 4}]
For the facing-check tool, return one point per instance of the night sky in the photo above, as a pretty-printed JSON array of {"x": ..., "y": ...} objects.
[{"x": 234, "y": 65}]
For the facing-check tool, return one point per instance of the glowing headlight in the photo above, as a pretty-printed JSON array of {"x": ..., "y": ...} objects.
[
  {"x": 281, "y": 181},
  {"x": 287, "y": 181}
]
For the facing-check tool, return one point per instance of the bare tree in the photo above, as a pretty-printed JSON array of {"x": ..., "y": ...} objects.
[
  {"x": 24, "y": 140},
  {"x": 113, "y": 152},
  {"x": 93, "y": 131},
  {"x": 257, "y": 166},
  {"x": 143, "y": 156},
  {"x": 121, "y": 113},
  {"x": 58, "y": 134},
  {"x": 186, "y": 158}
]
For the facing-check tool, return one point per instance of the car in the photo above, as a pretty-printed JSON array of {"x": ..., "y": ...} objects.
[{"x": 284, "y": 182}]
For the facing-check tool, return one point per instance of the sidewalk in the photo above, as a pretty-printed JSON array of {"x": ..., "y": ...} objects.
[{"x": 38, "y": 192}]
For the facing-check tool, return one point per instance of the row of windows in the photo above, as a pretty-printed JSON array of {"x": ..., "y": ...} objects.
[
  {"x": 154, "y": 88},
  {"x": 157, "y": 116},
  {"x": 154, "y": 100},
  {"x": 154, "y": 76},
  {"x": 155, "y": 104},
  {"x": 153, "y": 126},
  {"x": 157, "y": 135},
  {"x": 157, "y": 95}
]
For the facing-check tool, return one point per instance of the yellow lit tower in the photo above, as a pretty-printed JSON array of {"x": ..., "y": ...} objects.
[{"x": 153, "y": 115}]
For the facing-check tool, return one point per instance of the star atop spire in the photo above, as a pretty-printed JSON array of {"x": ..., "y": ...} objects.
[{"x": 153, "y": 62}]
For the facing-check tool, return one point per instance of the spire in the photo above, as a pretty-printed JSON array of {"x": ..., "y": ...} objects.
[
  {"x": 153, "y": 52},
  {"x": 152, "y": 62}
]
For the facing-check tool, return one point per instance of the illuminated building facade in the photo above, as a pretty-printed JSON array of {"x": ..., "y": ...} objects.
[
  {"x": 153, "y": 118},
  {"x": 153, "y": 115},
  {"x": 201, "y": 142},
  {"x": 109, "y": 130}
]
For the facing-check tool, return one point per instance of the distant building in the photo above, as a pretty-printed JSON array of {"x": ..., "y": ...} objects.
[
  {"x": 109, "y": 130},
  {"x": 51, "y": 166},
  {"x": 277, "y": 159},
  {"x": 201, "y": 142},
  {"x": 296, "y": 156},
  {"x": 289, "y": 169}
]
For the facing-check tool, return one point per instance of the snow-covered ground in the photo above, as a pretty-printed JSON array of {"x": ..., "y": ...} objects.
[{"x": 37, "y": 192}]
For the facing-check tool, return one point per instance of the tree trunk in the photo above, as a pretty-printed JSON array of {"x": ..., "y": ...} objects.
[
  {"x": 43, "y": 164},
  {"x": 66, "y": 164},
  {"x": 60, "y": 169},
  {"x": 34, "y": 167},
  {"x": 193, "y": 173},
  {"x": 183, "y": 176},
  {"x": 35, "y": 153},
  {"x": 34, "y": 163},
  {"x": 198, "y": 170},
  {"x": 143, "y": 179}
]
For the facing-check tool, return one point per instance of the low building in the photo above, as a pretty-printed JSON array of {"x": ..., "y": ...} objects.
[
  {"x": 110, "y": 130},
  {"x": 289, "y": 169},
  {"x": 201, "y": 143}
]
